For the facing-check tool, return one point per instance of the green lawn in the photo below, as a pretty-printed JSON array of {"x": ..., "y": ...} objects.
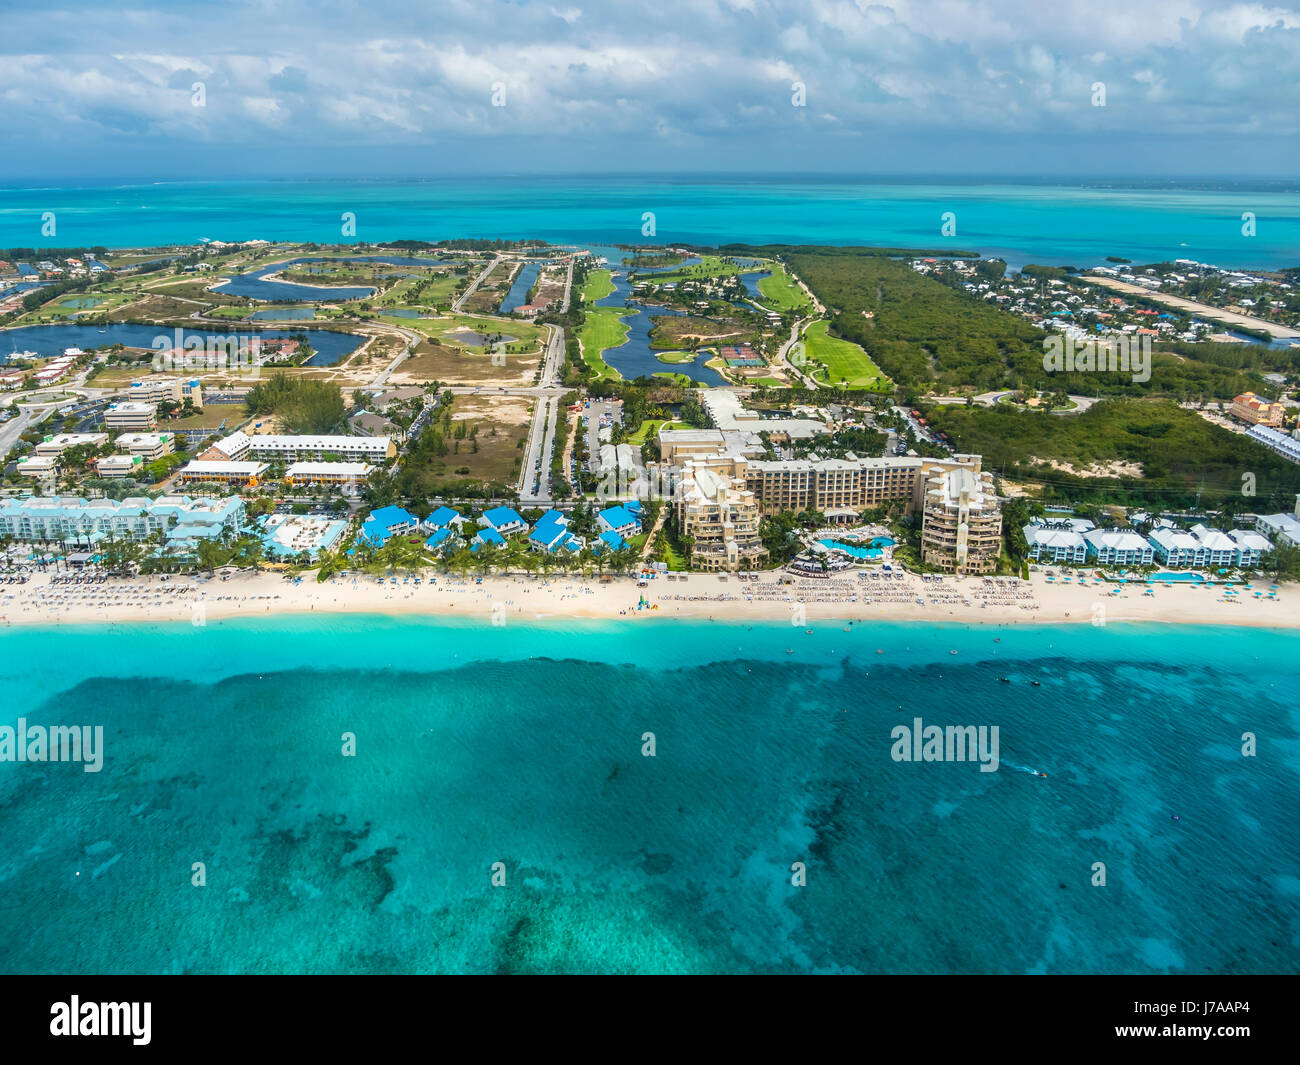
[
  {"x": 601, "y": 331},
  {"x": 769, "y": 382},
  {"x": 599, "y": 284},
  {"x": 650, "y": 427},
  {"x": 527, "y": 335},
  {"x": 708, "y": 266},
  {"x": 842, "y": 360},
  {"x": 676, "y": 562},
  {"x": 675, "y": 378},
  {"x": 780, "y": 292}
]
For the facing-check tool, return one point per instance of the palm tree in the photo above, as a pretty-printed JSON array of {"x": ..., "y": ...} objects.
[
  {"x": 463, "y": 560},
  {"x": 516, "y": 551}
]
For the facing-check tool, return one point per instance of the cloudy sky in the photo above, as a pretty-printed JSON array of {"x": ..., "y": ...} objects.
[{"x": 282, "y": 88}]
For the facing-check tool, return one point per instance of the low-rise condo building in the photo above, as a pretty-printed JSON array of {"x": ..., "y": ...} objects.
[
  {"x": 1218, "y": 548},
  {"x": 729, "y": 413},
  {"x": 141, "y": 417},
  {"x": 201, "y": 471},
  {"x": 1276, "y": 440},
  {"x": 231, "y": 448},
  {"x": 57, "y": 445},
  {"x": 1282, "y": 529},
  {"x": 119, "y": 465},
  {"x": 38, "y": 465},
  {"x": 1055, "y": 541},
  {"x": 70, "y": 518},
  {"x": 624, "y": 520},
  {"x": 1253, "y": 410},
  {"x": 1119, "y": 547},
  {"x": 1251, "y": 547},
  {"x": 308, "y": 448},
  {"x": 300, "y": 448},
  {"x": 1175, "y": 548},
  {"x": 166, "y": 389},
  {"x": 504, "y": 520},
  {"x": 147, "y": 446},
  {"x": 347, "y": 475},
  {"x": 443, "y": 518}
]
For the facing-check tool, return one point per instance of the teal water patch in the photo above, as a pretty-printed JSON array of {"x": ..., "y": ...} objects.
[
  {"x": 522, "y": 745},
  {"x": 1044, "y": 223}
]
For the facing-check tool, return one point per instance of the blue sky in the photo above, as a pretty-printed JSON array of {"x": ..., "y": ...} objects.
[{"x": 96, "y": 92}]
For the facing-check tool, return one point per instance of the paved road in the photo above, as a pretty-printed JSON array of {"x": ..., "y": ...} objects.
[
  {"x": 783, "y": 355},
  {"x": 11, "y": 430},
  {"x": 413, "y": 340},
  {"x": 528, "y": 472},
  {"x": 475, "y": 284},
  {"x": 818, "y": 306},
  {"x": 535, "y": 485},
  {"x": 548, "y": 448},
  {"x": 568, "y": 286}
]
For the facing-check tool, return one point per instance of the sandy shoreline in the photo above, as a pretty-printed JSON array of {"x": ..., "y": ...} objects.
[{"x": 496, "y": 598}]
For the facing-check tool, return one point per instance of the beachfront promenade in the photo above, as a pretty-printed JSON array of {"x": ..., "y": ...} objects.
[{"x": 765, "y": 597}]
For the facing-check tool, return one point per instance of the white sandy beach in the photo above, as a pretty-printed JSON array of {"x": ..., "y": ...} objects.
[{"x": 903, "y": 598}]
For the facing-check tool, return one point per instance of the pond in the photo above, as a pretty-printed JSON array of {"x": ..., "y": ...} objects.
[
  {"x": 50, "y": 340},
  {"x": 635, "y": 357},
  {"x": 285, "y": 314},
  {"x": 518, "y": 294},
  {"x": 254, "y": 286}
]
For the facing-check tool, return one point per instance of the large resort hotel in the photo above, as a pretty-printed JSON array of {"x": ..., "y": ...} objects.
[{"x": 720, "y": 491}]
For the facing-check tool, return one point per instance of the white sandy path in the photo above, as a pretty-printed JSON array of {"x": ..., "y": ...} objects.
[{"x": 702, "y": 596}]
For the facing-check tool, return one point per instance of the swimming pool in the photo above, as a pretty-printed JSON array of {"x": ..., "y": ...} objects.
[
  {"x": 1171, "y": 578},
  {"x": 857, "y": 550}
]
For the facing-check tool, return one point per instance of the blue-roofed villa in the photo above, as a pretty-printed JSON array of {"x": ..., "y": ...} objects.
[
  {"x": 624, "y": 520},
  {"x": 441, "y": 540},
  {"x": 487, "y": 537},
  {"x": 611, "y": 540},
  {"x": 551, "y": 533},
  {"x": 504, "y": 520},
  {"x": 387, "y": 522},
  {"x": 444, "y": 518}
]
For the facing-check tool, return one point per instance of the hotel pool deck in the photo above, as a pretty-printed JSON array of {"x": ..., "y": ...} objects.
[{"x": 872, "y": 551}]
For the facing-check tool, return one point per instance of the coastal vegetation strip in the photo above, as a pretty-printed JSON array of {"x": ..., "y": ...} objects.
[
  {"x": 1150, "y": 452},
  {"x": 709, "y": 266}
]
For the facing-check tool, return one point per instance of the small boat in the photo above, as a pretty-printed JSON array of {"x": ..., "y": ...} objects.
[
  {"x": 1036, "y": 683},
  {"x": 1005, "y": 680}
]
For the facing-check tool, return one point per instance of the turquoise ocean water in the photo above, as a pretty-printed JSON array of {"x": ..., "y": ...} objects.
[
  {"x": 1041, "y": 223},
  {"x": 522, "y": 745}
]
